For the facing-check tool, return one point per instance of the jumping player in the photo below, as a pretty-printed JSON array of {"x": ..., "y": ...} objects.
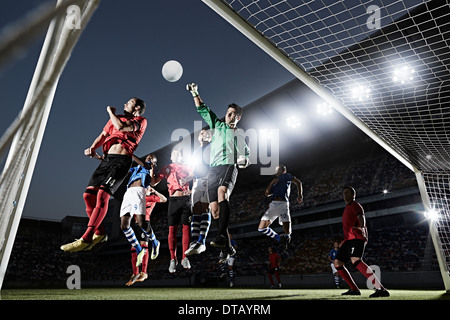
[
  {"x": 353, "y": 245},
  {"x": 177, "y": 176},
  {"x": 201, "y": 217},
  {"x": 228, "y": 151},
  {"x": 119, "y": 139},
  {"x": 278, "y": 192}
]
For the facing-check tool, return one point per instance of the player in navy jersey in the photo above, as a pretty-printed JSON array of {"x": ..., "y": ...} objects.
[
  {"x": 119, "y": 139},
  {"x": 353, "y": 245},
  {"x": 331, "y": 257},
  {"x": 278, "y": 192}
]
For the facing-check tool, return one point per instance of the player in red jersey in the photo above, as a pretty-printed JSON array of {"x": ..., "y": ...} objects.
[
  {"x": 119, "y": 139},
  {"x": 274, "y": 267},
  {"x": 353, "y": 245},
  {"x": 177, "y": 176}
]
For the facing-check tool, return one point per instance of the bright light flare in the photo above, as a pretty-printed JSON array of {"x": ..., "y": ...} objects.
[
  {"x": 293, "y": 122},
  {"x": 432, "y": 214},
  {"x": 324, "y": 109},
  {"x": 403, "y": 75},
  {"x": 361, "y": 93}
]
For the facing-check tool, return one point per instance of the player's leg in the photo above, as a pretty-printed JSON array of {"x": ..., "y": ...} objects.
[
  {"x": 186, "y": 231},
  {"x": 173, "y": 220},
  {"x": 342, "y": 256},
  {"x": 265, "y": 222},
  {"x": 369, "y": 274}
]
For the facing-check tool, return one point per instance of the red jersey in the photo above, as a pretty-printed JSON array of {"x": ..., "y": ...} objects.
[
  {"x": 350, "y": 220},
  {"x": 173, "y": 173},
  {"x": 129, "y": 139},
  {"x": 273, "y": 260},
  {"x": 150, "y": 203}
]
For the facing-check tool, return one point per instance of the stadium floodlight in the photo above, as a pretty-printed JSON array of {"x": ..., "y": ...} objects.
[
  {"x": 360, "y": 93},
  {"x": 324, "y": 109},
  {"x": 293, "y": 122},
  {"x": 403, "y": 74},
  {"x": 432, "y": 214},
  {"x": 385, "y": 191}
]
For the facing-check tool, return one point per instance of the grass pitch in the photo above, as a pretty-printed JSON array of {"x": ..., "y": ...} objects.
[{"x": 209, "y": 294}]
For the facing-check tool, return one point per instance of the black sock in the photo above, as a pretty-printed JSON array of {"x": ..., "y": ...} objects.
[{"x": 224, "y": 219}]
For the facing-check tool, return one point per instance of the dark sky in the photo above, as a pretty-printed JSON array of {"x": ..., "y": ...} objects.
[{"x": 120, "y": 55}]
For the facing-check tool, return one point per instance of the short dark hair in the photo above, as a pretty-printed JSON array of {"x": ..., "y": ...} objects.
[
  {"x": 141, "y": 103},
  {"x": 350, "y": 188},
  {"x": 237, "y": 108}
]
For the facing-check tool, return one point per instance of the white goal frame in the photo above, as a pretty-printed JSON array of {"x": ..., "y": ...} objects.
[
  {"x": 256, "y": 37},
  {"x": 26, "y": 132}
]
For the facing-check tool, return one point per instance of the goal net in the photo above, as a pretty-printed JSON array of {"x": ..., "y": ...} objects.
[
  {"x": 23, "y": 137},
  {"x": 384, "y": 64}
]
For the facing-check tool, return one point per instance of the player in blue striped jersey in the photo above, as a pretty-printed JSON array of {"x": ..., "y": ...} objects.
[{"x": 278, "y": 193}]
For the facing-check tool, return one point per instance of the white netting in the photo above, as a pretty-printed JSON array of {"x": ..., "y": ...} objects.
[
  {"x": 25, "y": 133},
  {"x": 387, "y": 61}
]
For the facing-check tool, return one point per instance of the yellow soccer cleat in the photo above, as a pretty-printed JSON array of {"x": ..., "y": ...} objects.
[
  {"x": 77, "y": 245},
  {"x": 97, "y": 239},
  {"x": 141, "y": 277}
]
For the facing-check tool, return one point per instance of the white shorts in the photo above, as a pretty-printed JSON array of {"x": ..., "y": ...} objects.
[
  {"x": 133, "y": 202},
  {"x": 199, "y": 191},
  {"x": 277, "y": 209}
]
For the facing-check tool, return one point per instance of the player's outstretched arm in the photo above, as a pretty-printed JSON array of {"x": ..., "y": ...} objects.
[
  {"x": 193, "y": 89},
  {"x": 90, "y": 152}
]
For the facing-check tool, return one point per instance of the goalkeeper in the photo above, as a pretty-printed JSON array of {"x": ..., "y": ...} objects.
[{"x": 228, "y": 151}]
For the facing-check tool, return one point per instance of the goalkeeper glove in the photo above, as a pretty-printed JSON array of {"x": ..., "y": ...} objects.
[{"x": 192, "y": 88}]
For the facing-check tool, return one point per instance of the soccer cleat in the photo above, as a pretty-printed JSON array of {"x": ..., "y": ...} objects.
[
  {"x": 141, "y": 277},
  {"x": 185, "y": 263},
  {"x": 195, "y": 248},
  {"x": 132, "y": 280},
  {"x": 351, "y": 292},
  {"x": 218, "y": 242},
  {"x": 77, "y": 245},
  {"x": 155, "y": 251},
  {"x": 380, "y": 293},
  {"x": 97, "y": 239},
  {"x": 140, "y": 257},
  {"x": 285, "y": 240},
  {"x": 173, "y": 266}
]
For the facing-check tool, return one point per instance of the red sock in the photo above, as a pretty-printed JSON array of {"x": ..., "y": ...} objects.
[
  {"x": 343, "y": 272},
  {"x": 368, "y": 273},
  {"x": 90, "y": 199},
  {"x": 97, "y": 216},
  {"x": 270, "y": 279},
  {"x": 145, "y": 259},
  {"x": 133, "y": 261},
  {"x": 278, "y": 276},
  {"x": 172, "y": 240},
  {"x": 186, "y": 238}
]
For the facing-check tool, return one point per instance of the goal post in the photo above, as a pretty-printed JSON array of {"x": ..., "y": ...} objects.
[
  {"x": 26, "y": 133},
  {"x": 330, "y": 46}
]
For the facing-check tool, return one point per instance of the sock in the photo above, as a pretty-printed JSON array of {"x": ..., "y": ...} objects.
[
  {"x": 224, "y": 219},
  {"x": 131, "y": 237},
  {"x": 90, "y": 199},
  {"x": 133, "y": 261},
  {"x": 151, "y": 235},
  {"x": 97, "y": 216},
  {"x": 270, "y": 233},
  {"x": 195, "y": 226},
  {"x": 336, "y": 280},
  {"x": 186, "y": 238},
  {"x": 343, "y": 272},
  {"x": 231, "y": 273},
  {"x": 277, "y": 275},
  {"x": 172, "y": 240},
  {"x": 368, "y": 273},
  {"x": 204, "y": 227},
  {"x": 271, "y": 279},
  {"x": 145, "y": 259}
]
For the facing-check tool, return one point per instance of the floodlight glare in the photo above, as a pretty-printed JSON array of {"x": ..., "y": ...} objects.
[
  {"x": 360, "y": 93},
  {"x": 403, "y": 74},
  {"x": 293, "y": 122},
  {"x": 432, "y": 214},
  {"x": 324, "y": 109}
]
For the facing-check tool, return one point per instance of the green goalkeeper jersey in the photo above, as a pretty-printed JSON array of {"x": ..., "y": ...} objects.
[{"x": 227, "y": 144}]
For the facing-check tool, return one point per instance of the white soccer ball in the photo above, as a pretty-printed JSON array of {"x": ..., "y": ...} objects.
[{"x": 172, "y": 71}]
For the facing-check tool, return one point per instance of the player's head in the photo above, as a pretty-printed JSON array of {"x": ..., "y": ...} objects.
[
  {"x": 233, "y": 115},
  {"x": 270, "y": 249},
  {"x": 175, "y": 155},
  {"x": 151, "y": 158},
  {"x": 135, "y": 106},
  {"x": 205, "y": 136},
  {"x": 281, "y": 169},
  {"x": 349, "y": 194},
  {"x": 336, "y": 244}
]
